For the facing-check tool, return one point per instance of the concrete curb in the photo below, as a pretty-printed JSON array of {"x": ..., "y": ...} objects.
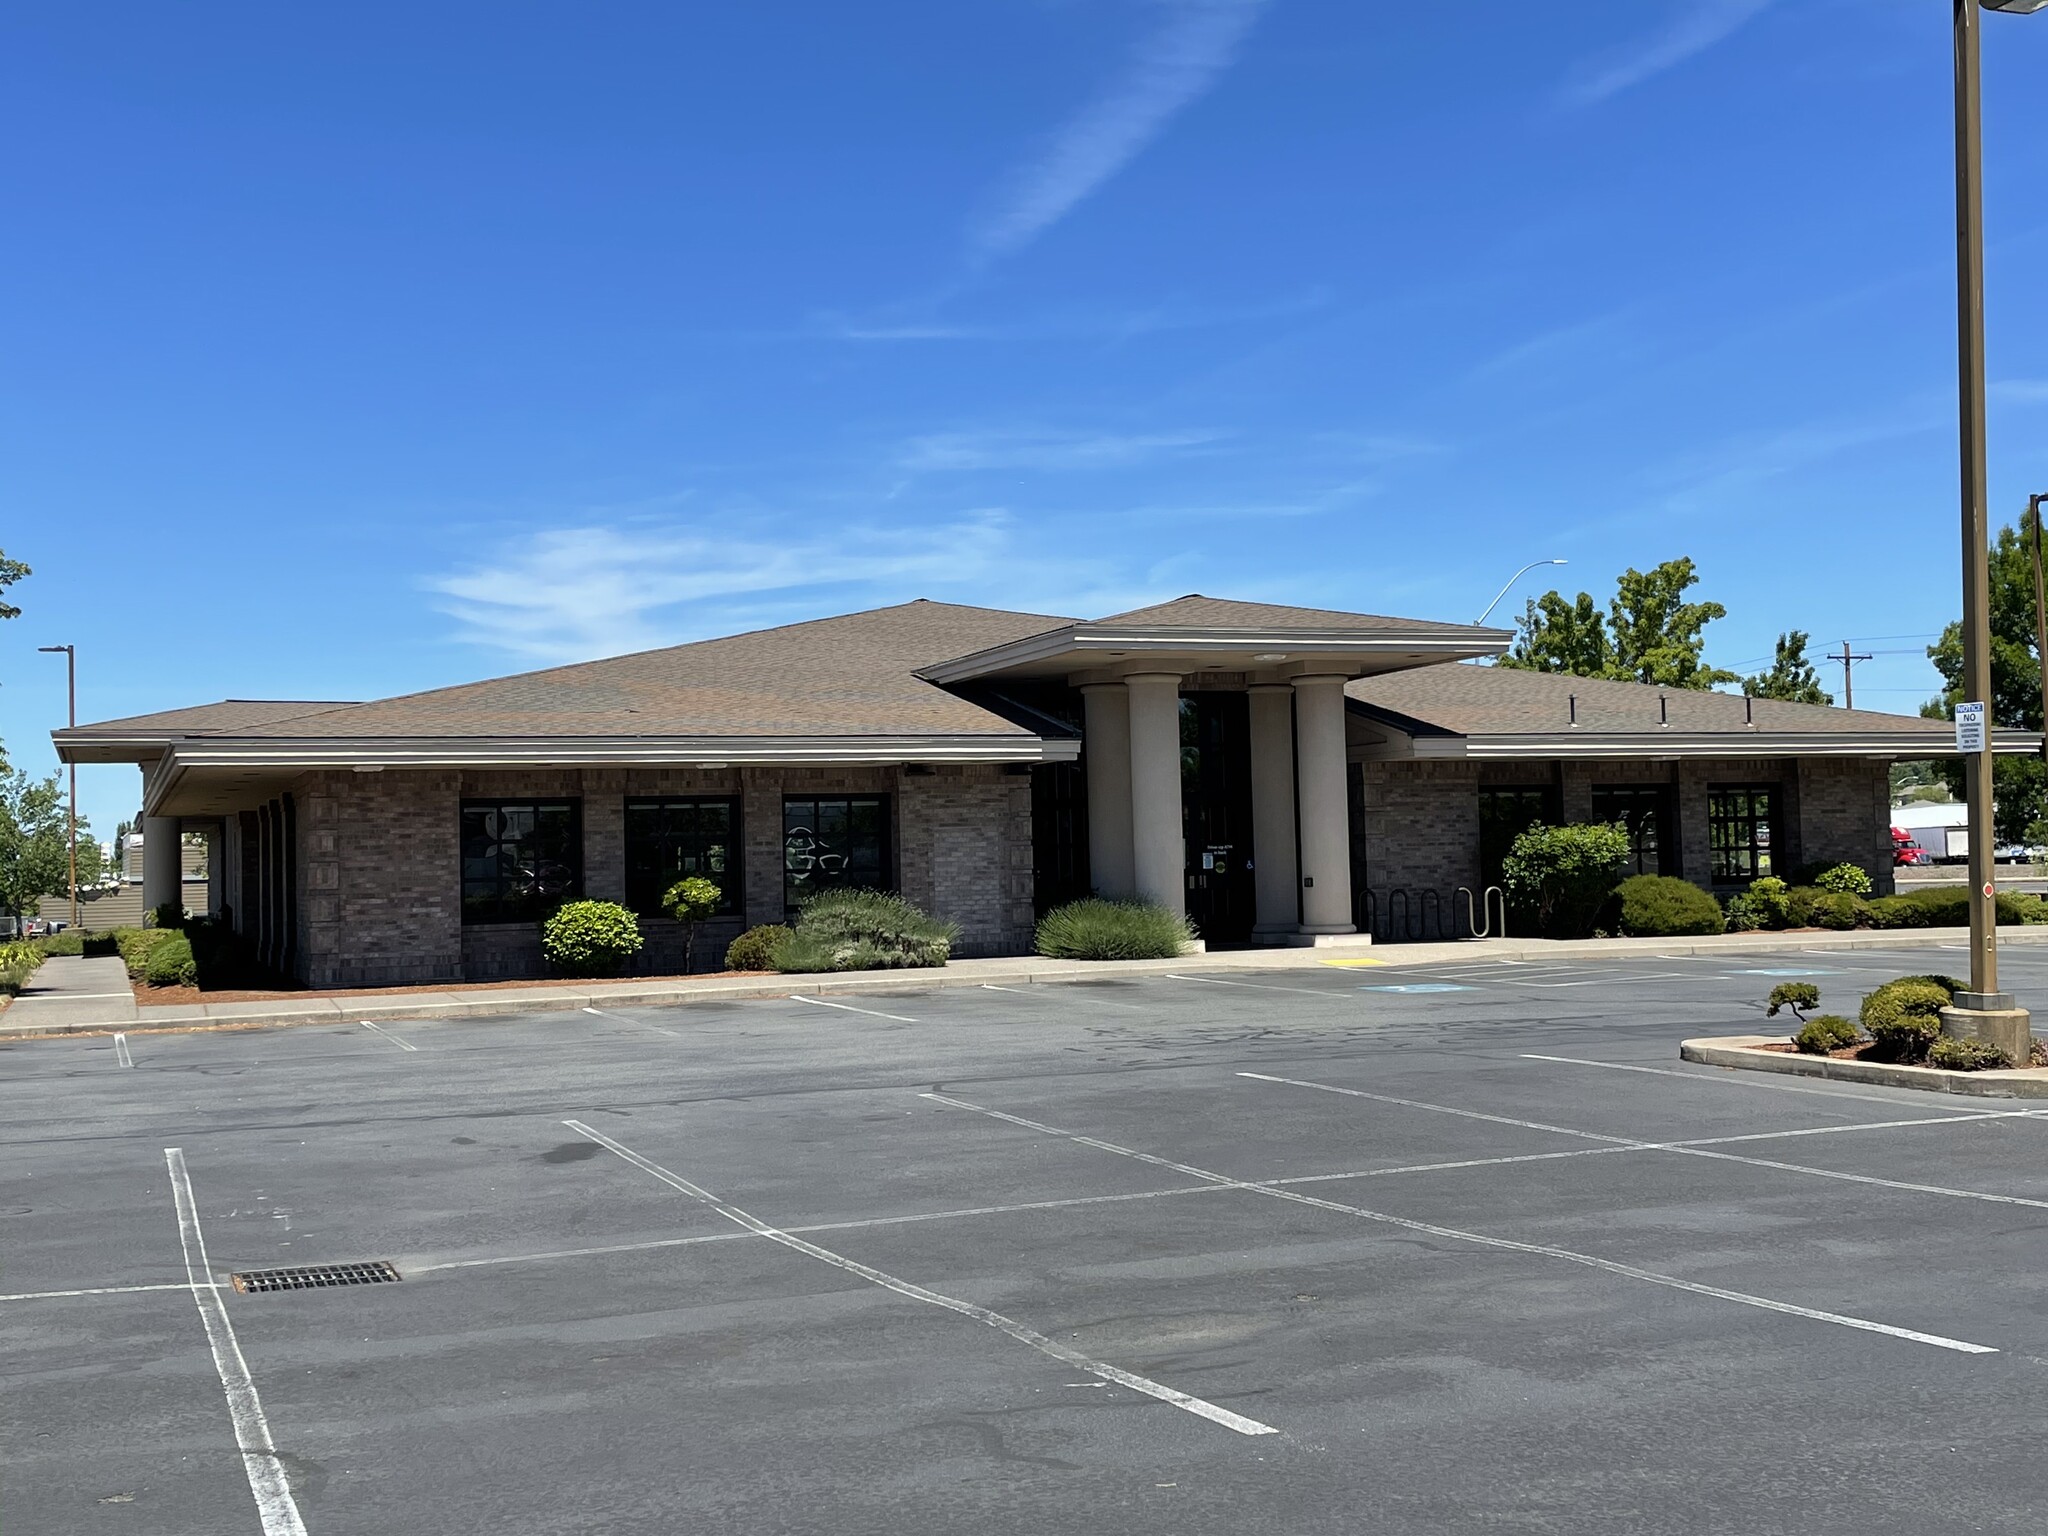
[
  {"x": 1024, "y": 970},
  {"x": 1740, "y": 1052}
]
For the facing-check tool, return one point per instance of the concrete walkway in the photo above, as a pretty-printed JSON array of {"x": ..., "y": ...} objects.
[
  {"x": 67, "y": 992},
  {"x": 73, "y": 995}
]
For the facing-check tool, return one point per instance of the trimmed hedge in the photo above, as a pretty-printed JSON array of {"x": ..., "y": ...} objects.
[
  {"x": 1896, "y": 912},
  {"x": 1824, "y": 1033},
  {"x": 1903, "y": 1018},
  {"x": 1967, "y": 1055},
  {"x": 135, "y": 945},
  {"x": 69, "y": 942},
  {"x": 856, "y": 930},
  {"x": 1094, "y": 929},
  {"x": 170, "y": 962},
  {"x": 754, "y": 950},
  {"x": 1662, "y": 906},
  {"x": 591, "y": 938}
]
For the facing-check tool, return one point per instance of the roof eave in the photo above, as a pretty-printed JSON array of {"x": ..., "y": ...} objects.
[
  {"x": 1741, "y": 742},
  {"x": 1087, "y": 644}
]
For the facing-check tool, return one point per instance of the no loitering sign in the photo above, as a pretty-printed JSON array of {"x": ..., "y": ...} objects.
[{"x": 1969, "y": 727}]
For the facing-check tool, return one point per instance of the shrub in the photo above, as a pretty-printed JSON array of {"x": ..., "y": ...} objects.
[
  {"x": 1845, "y": 880},
  {"x": 1563, "y": 876},
  {"x": 170, "y": 962},
  {"x": 134, "y": 945},
  {"x": 1771, "y": 897},
  {"x": 1796, "y": 995},
  {"x": 1799, "y": 902},
  {"x": 98, "y": 946},
  {"x": 591, "y": 938},
  {"x": 1903, "y": 1017},
  {"x": 1094, "y": 929},
  {"x": 855, "y": 930},
  {"x": 18, "y": 962},
  {"x": 69, "y": 942},
  {"x": 690, "y": 901},
  {"x": 1824, "y": 1033},
  {"x": 1659, "y": 906},
  {"x": 754, "y": 950},
  {"x": 1948, "y": 906},
  {"x": 1743, "y": 915},
  {"x": 1836, "y": 909},
  {"x": 168, "y": 914},
  {"x": 1896, "y": 912},
  {"x": 1967, "y": 1055}
]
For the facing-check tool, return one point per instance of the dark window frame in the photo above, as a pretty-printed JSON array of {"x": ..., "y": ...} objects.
[
  {"x": 645, "y": 899},
  {"x": 883, "y": 871},
  {"x": 1735, "y": 856},
  {"x": 1653, "y": 810},
  {"x": 1549, "y": 812},
  {"x": 526, "y": 907}
]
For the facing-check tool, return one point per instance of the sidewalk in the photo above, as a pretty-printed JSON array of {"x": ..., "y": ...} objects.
[
  {"x": 94, "y": 994},
  {"x": 67, "y": 992}
]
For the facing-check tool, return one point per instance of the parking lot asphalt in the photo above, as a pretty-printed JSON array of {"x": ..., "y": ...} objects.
[{"x": 1445, "y": 1248}]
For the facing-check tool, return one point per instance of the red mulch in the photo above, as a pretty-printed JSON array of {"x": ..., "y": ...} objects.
[{"x": 148, "y": 996}]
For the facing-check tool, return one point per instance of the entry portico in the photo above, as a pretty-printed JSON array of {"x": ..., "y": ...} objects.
[{"x": 1134, "y": 672}]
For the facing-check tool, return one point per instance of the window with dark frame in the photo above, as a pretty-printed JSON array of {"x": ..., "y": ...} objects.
[
  {"x": 520, "y": 858},
  {"x": 834, "y": 841},
  {"x": 1506, "y": 811},
  {"x": 1739, "y": 822},
  {"x": 1644, "y": 811},
  {"x": 676, "y": 837}
]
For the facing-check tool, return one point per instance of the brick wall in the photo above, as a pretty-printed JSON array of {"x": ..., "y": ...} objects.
[
  {"x": 1421, "y": 826},
  {"x": 1845, "y": 814},
  {"x": 380, "y": 874}
]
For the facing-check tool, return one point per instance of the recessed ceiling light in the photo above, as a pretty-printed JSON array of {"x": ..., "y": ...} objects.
[{"x": 1270, "y": 656}]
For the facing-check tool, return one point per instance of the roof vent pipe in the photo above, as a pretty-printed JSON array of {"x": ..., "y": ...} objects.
[
  {"x": 1574, "y": 700},
  {"x": 1748, "y": 711},
  {"x": 1663, "y": 710}
]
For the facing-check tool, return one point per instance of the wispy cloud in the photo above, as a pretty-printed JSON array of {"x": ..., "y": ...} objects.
[
  {"x": 602, "y": 589},
  {"x": 1045, "y": 450},
  {"x": 2020, "y": 391},
  {"x": 1698, "y": 27},
  {"x": 1167, "y": 315},
  {"x": 1195, "y": 42},
  {"x": 1602, "y": 336}
]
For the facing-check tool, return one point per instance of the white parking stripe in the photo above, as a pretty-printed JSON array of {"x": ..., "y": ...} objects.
[
  {"x": 1016, "y": 1330},
  {"x": 635, "y": 1022},
  {"x": 823, "y": 1002},
  {"x": 1263, "y": 986},
  {"x": 403, "y": 1045},
  {"x": 121, "y": 1051},
  {"x": 1481, "y": 1239},
  {"x": 98, "y": 1290},
  {"x": 1725, "y": 1079},
  {"x": 1683, "y": 1148},
  {"x": 275, "y": 1506}
]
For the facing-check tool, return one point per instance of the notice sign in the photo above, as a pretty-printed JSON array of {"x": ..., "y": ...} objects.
[{"x": 1969, "y": 727}]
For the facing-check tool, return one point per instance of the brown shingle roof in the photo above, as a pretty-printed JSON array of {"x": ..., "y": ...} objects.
[
  {"x": 1198, "y": 612},
  {"x": 1465, "y": 700},
  {"x": 845, "y": 676},
  {"x": 227, "y": 715}
]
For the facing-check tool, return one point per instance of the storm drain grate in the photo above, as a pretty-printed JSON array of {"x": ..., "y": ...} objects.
[{"x": 316, "y": 1276}]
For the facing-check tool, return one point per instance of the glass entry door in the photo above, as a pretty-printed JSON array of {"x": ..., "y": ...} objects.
[{"x": 1216, "y": 815}]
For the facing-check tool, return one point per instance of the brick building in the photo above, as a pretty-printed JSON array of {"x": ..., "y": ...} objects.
[{"x": 1285, "y": 775}]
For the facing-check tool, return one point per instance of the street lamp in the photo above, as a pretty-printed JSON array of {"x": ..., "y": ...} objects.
[
  {"x": 70, "y": 653},
  {"x": 1525, "y": 570},
  {"x": 1985, "y": 1011}
]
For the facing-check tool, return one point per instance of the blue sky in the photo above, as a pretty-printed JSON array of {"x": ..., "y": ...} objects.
[{"x": 353, "y": 352}]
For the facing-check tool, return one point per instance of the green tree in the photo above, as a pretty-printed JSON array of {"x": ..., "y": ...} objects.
[
  {"x": 1791, "y": 675},
  {"x": 1650, "y": 633},
  {"x": 2018, "y": 782},
  {"x": 11, "y": 571},
  {"x": 691, "y": 901},
  {"x": 33, "y": 863}
]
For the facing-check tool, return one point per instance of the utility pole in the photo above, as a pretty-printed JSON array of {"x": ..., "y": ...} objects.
[
  {"x": 2040, "y": 616},
  {"x": 1848, "y": 683},
  {"x": 71, "y": 846}
]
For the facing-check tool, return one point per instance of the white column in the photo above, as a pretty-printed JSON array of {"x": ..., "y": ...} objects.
[
  {"x": 1106, "y": 754},
  {"x": 1276, "y": 876},
  {"x": 163, "y": 868},
  {"x": 1159, "y": 854},
  {"x": 1325, "y": 812}
]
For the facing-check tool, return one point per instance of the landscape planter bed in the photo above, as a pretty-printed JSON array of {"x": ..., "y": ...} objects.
[{"x": 1773, "y": 1053}]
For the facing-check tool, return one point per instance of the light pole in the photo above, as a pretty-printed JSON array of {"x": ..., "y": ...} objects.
[
  {"x": 71, "y": 848},
  {"x": 1984, "y": 1011},
  {"x": 2034, "y": 505},
  {"x": 1525, "y": 570}
]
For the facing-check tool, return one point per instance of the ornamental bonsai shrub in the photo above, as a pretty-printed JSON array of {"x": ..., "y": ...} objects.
[
  {"x": 1094, "y": 929},
  {"x": 1795, "y": 995},
  {"x": 1662, "y": 906},
  {"x": 856, "y": 930},
  {"x": 591, "y": 938},
  {"x": 1563, "y": 876},
  {"x": 690, "y": 901},
  {"x": 754, "y": 950}
]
